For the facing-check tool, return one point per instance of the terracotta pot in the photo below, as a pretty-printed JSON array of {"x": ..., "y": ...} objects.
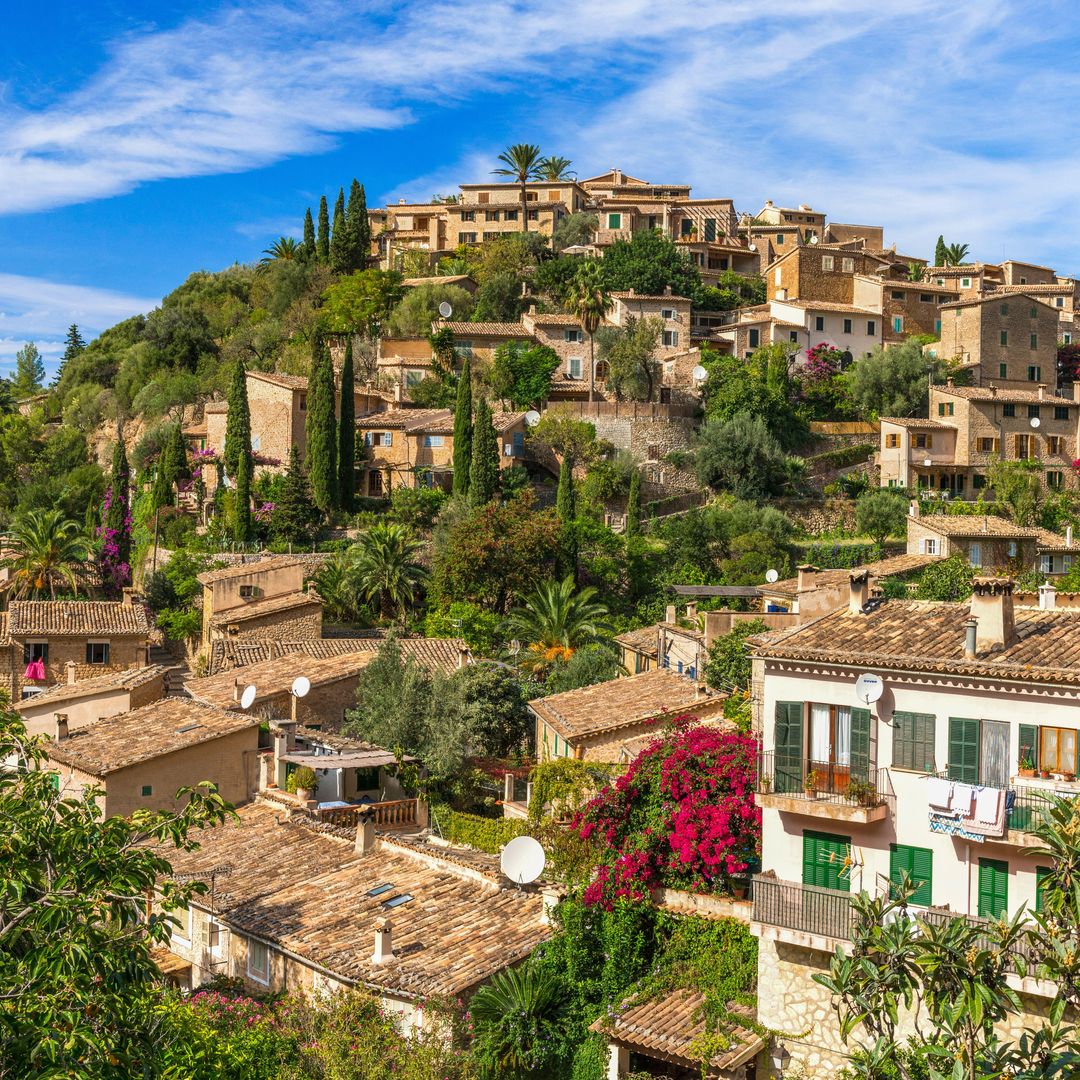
[
  {"x": 303, "y": 794},
  {"x": 1027, "y": 772}
]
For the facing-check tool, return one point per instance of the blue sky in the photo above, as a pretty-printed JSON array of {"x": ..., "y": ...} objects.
[{"x": 141, "y": 141}]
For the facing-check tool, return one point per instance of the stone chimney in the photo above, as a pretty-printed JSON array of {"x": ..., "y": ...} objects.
[
  {"x": 1047, "y": 597},
  {"x": 992, "y": 606},
  {"x": 701, "y": 691},
  {"x": 384, "y": 943},
  {"x": 237, "y": 689},
  {"x": 61, "y": 726},
  {"x": 993, "y": 390},
  {"x": 669, "y": 614},
  {"x": 365, "y": 834},
  {"x": 858, "y": 591},
  {"x": 463, "y": 657},
  {"x": 71, "y": 672},
  {"x": 913, "y": 508},
  {"x": 1068, "y": 536},
  {"x": 127, "y": 596},
  {"x": 691, "y": 610},
  {"x": 1076, "y": 390},
  {"x": 807, "y": 578},
  {"x": 1042, "y": 390}
]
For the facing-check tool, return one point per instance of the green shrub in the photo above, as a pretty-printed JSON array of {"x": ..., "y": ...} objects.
[
  {"x": 484, "y": 834},
  {"x": 305, "y": 778}
]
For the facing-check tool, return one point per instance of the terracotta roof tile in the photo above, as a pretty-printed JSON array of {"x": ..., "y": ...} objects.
[
  {"x": 981, "y": 525},
  {"x": 482, "y": 329},
  {"x": 77, "y": 618},
  {"x": 249, "y": 565},
  {"x": 988, "y": 298},
  {"x": 443, "y": 654},
  {"x": 645, "y": 640},
  {"x": 916, "y": 422},
  {"x": 994, "y": 393},
  {"x": 128, "y": 679},
  {"x": 644, "y": 296},
  {"x": 896, "y": 564},
  {"x": 260, "y": 608},
  {"x": 289, "y": 382}
]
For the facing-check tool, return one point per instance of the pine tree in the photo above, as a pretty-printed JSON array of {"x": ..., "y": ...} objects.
[
  {"x": 633, "y": 506},
  {"x": 73, "y": 346},
  {"x": 309, "y": 236},
  {"x": 565, "y": 503},
  {"x": 941, "y": 256},
  {"x": 340, "y": 240},
  {"x": 237, "y": 422},
  {"x": 29, "y": 371},
  {"x": 242, "y": 524},
  {"x": 322, "y": 245},
  {"x": 321, "y": 430},
  {"x": 463, "y": 430},
  {"x": 484, "y": 472},
  {"x": 359, "y": 227},
  {"x": 347, "y": 433},
  {"x": 295, "y": 516}
]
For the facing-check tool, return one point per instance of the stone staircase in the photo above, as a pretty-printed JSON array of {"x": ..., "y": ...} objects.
[{"x": 176, "y": 671}]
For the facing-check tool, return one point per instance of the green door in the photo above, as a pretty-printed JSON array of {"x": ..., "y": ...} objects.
[
  {"x": 993, "y": 888},
  {"x": 789, "y": 746},
  {"x": 964, "y": 750},
  {"x": 823, "y": 860},
  {"x": 918, "y": 864}
]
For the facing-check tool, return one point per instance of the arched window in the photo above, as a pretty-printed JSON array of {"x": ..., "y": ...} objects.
[{"x": 602, "y": 370}]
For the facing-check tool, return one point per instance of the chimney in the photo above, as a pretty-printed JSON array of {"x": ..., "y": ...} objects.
[
  {"x": 701, "y": 691},
  {"x": 1068, "y": 536},
  {"x": 669, "y": 613},
  {"x": 691, "y": 610},
  {"x": 768, "y": 202},
  {"x": 1076, "y": 390},
  {"x": 970, "y": 628},
  {"x": 61, "y": 726},
  {"x": 236, "y": 691},
  {"x": 397, "y": 393},
  {"x": 128, "y": 596},
  {"x": 859, "y": 591},
  {"x": 1042, "y": 390},
  {"x": 71, "y": 672},
  {"x": 667, "y": 290},
  {"x": 384, "y": 944},
  {"x": 1047, "y": 597},
  {"x": 807, "y": 578},
  {"x": 365, "y": 834},
  {"x": 992, "y": 606},
  {"x": 463, "y": 657},
  {"x": 913, "y": 508},
  {"x": 993, "y": 390}
]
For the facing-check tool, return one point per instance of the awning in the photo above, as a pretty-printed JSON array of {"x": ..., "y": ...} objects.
[{"x": 358, "y": 759}]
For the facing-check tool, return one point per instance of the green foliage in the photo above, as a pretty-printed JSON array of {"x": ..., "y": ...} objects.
[
  {"x": 588, "y": 299},
  {"x": 499, "y": 299},
  {"x": 564, "y": 500},
  {"x": 322, "y": 243},
  {"x": 346, "y": 454},
  {"x": 740, "y": 455},
  {"x": 608, "y": 480},
  {"x": 419, "y": 308},
  {"x": 309, "y": 235},
  {"x": 484, "y": 468},
  {"x": 894, "y": 381},
  {"x": 567, "y": 437},
  {"x": 630, "y": 350},
  {"x": 463, "y": 431},
  {"x": 574, "y": 229},
  {"x": 586, "y": 666},
  {"x": 521, "y": 373},
  {"x": 649, "y": 263},
  {"x": 949, "y": 579},
  {"x": 384, "y": 568},
  {"x": 1017, "y": 488},
  {"x": 361, "y": 302},
  {"x": 941, "y": 252},
  {"x": 29, "y": 371},
  {"x": 728, "y": 667},
  {"x": 483, "y": 833},
  {"x": 562, "y": 786},
  {"x": 242, "y": 528},
  {"x": 417, "y": 508},
  {"x": 556, "y": 619},
  {"x": 295, "y": 516},
  {"x": 633, "y": 505},
  {"x": 321, "y": 429},
  {"x": 881, "y": 514},
  {"x": 45, "y": 552},
  {"x": 480, "y": 629},
  {"x": 237, "y": 421}
]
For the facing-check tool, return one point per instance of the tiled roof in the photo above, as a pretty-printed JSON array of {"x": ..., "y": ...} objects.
[
  {"x": 823, "y": 305},
  {"x": 1039, "y": 290},
  {"x": 608, "y": 706},
  {"x": 443, "y": 654},
  {"x": 981, "y": 525},
  {"x": 260, "y": 608},
  {"x": 5, "y": 636},
  {"x": 77, "y": 618},
  {"x": 306, "y": 892},
  {"x": 897, "y": 564},
  {"x": 994, "y": 393},
  {"x": 160, "y": 728},
  {"x": 448, "y": 279},
  {"x": 672, "y": 1028},
  {"x": 919, "y": 635},
  {"x": 989, "y": 298},
  {"x": 273, "y": 677},
  {"x": 250, "y": 565},
  {"x": 128, "y": 679},
  {"x": 963, "y": 270},
  {"x": 216, "y": 407},
  {"x": 643, "y": 641},
  {"x": 289, "y": 382},
  {"x": 915, "y": 422},
  {"x": 482, "y": 329},
  {"x": 553, "y": 320},
  {"x": 644, "y": 296},
  {"x": 428, "y": 421}
]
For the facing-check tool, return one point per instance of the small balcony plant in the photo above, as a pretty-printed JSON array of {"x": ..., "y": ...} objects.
[
  {"x": 1027, "y": 763},
  {"x": 812, "y": 784},
  {"x": 303, "y": 783},
  {"x": 861, "y": 792}
]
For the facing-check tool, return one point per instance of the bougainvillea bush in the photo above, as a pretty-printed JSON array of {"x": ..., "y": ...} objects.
[{"x": 681, "y": 816}]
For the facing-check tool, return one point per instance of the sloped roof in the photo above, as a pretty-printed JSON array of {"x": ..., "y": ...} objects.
[
  {"x": 915, "y": 422},
  {"x": 289, "y": 382},
  {"x": 128, "y": 679},
  {"x": 644, "y": 640},
  {"x": 443, "y": 654},
  {"x": 963, "y": 525},
  {"x": 482, "y": 329},
  {"x": 260, "y": 608},
  {"x": 994, "y": 393},
  {"x": 896, "y": 564},
  {"x": 77, "y": 618}
]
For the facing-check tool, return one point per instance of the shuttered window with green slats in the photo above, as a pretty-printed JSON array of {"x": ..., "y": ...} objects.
[
  {"x": 993, "y": 888},
  {"x": 918, "y": 864},
  {"x": 824, "y": 855},
  {"x": 860, "y": 745},
  {"x": 913, "y": 741},
  {"x": 1040, "y": 874},
  {"x": 1029, "y": 744},
  {"x": 963, "y": 750},
  {"x": 789, "y": 746}
]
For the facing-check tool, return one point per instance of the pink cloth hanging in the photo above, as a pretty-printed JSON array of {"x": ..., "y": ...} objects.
[{"x": 35, "y": 671}]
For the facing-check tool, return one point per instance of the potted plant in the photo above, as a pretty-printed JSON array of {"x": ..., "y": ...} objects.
[
  {"x": 1027, "y": 764},
  {"x": 1070, "y": 777},
  {"x": 861, "y": 792},
  {"x": 765, "y": 784},
  {"x": 304, "y": 783},
  {"x": 812, "y": 783},
  {"x": 1045, "y": 774}
]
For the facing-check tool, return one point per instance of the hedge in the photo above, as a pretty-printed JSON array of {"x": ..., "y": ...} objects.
[
  {"x": 484, "y": 834},
  {"x": 842, "y": 456}
]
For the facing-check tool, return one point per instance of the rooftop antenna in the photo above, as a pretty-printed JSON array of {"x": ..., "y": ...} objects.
[
  {"x": 522, "y": 860},
  {"x": 248, "y": 696},
  {"x": 300, "y": 687}
]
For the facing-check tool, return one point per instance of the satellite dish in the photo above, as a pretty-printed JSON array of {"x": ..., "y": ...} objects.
[
  {"x": 699, "y": 373},
  {"x": 752, "y": 247},
  {"x": 301, "y": 685},
  {"x": 869, "y": 687},
  {"x": 532, "y": 418},
  {"x": 522, "y": 860},
  {"x": 771, "y": 576},
  {"x": 928, "y": 462},
  {"x": 247, "y": 697},
  {"x": 445, "y": 310},
  {"x": 813, "y": 239},
  {"x": 1035, "y": 421}
]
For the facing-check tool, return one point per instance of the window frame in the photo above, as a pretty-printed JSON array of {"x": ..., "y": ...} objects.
[
  {"x": 252, "y": 972},
  {"x": 906, "y": 752},
  {"x": 91, "y": 646}
]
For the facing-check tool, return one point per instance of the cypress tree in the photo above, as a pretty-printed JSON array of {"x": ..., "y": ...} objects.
[
  {"x": 484, "y": 473},
  {"x": 564, "y": 500},
  {"x": 171, "y": 463},
  {"x": 295, "y": 516},
  {"x": 309, "y": 236},
  {"x": 237, "y": 422},
  {"x": 242, "y": 526},
  {"x": 322, "y": 245},
  {"x": 633, "y": 506},
  {"x": 359, "y": 226},
  {"x": 463, "y": 430},
  {"x": 116, "y": 522},
  {"x": 321, "y": 430},
  {"x": 941, "y": 255},
  {"x": 73, "y": 346},
  {"x": 340, "y": 240},
  {"x": 347, "y": 433}
]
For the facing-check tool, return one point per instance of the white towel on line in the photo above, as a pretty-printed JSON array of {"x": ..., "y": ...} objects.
[
  {"x": 962, "y": 797},
  {"x": 939, "y": 791},
  {"x": 988, "y": 805}
]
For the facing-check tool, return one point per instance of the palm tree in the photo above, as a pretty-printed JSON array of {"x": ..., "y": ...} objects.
[
  {"x": 557, "y": 619},
  {"x": 589, "y": 301},
  {"x": 283, "y": 249},
  {"x": 522, "y": 161},
  {"x": 555, "y": 168},
  {"x": 955, "y": 254},
  {"x": 45, "y": 550},
  {"x": 915, "y": 272},
  {"x": 335, "y": 587},
  {"x": 384, "y": 568}
]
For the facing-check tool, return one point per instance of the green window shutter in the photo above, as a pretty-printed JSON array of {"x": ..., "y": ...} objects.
[
  {"x": 1040, "y": 874},
  {"x": 993, "y": 888},
  {"x": 789, "y": 746},
  {"x": 913, "y": 741},
  {"x": 1029, "y": 737},
  {"x": 964, "y": 750},
  {"x": 918, "y": 864},
  {"x": 823, "y": 860},
  {"x": 860, "y": 744}
]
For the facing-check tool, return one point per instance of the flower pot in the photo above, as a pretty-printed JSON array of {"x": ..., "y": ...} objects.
[
  {"x": 303, "y": 794},
  {"x": 1027, "y": 772},
  {"x": 1045, "y": 774}
]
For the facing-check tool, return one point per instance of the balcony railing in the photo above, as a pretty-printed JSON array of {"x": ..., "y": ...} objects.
[
  {"x": 828, "y": 781},
  {"x": 1027, "y": 810}
]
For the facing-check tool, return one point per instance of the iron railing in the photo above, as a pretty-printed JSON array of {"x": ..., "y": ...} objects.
[
  {"x": 827, "y": 781},
  {"x": 808, "y": 908},
  {"x": 1027, "y": 809}
]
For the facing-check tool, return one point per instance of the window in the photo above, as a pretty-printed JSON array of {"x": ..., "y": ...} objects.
[
  {"x": 574, "y": 367},
  {"x": 918, "y": 864},
  {"x": 467, "y": 237},
  {"x": 183, "y": 931},
  {"x": 945, "y": 408},
  {"x": 926, "y": 298},
  {"x": 258, "y": 961},
  {"x": 993, "y": 888},
  {"x": 1034, "y": 341},
  {"x": 614, "y": 221},
  {"x": 975, "y": 555},
  {"x": 671, "y": 338},
  {"x": 573, "y": 335},
  {"x": 1055, "y": 479},
  {"x": 710, "y": 229},
  {"x": 1061, "y": 412},
  {"x": 979, "y": 751},
  {"x": 366, "y": 779},
  {"x": 847, "y": 326},
  {"x": 303, "y": 402},
  {"x": 978, "y": 480},
  {"x": 1008, "y": 410},
  {"x": 819, "y": 322},
  {"x": 247, "y": 592},
  {"x": 827, "y": 262},
  {"x": 824, "y": 857},
  {"x": 871, "y": 327},
  {"x": 433, "y": 441},
  {"x": 1057, "y": 749},
  {"x": 965, "y": 283},
  {"x": 897, "y": 295},
  {"x": 848, "y": 266},
  {"x": 777, "y": 275},
  {"x": 794, "y": 336},
  {"x": 510, "y": 215},
  {"x": 1004, "y": 309},
  {"x": 1004, "y": 337},
  {"x": 686, "y": 227},
  {"x": 1034, "y": 312},
  {"x": 1067, "y": 339},
  {"x": 1024, "y": 445},
  {"x": 97, "y": 652},
  {"x": 753, "y": 338},
  {"x": 491, "y": 215},
  {"x": 913, "y": 741},
  {"x": 31, "y": 691},
  {"x": 1012, "y": 549},
  {"x": 1054, "y": 444},
  {"x": 1059, "y": 301},
  {"x": 488, "y": 236},
  {"x": 988, "y": 445},
  {"x": 35, "y": 650},
  {"x": 147, "y": 789},
  {"x": 468, "y": 215},
  {"x": 892, "y": 441},
  {"x": 374, "y": 438},
  {"x": 924, "y": 442},
  {"x": 667, "y": 313},
  {"x": 375, "y": 485},
  {"x": 1033, "y": 410},
  {"x": 779, "y": 239},
  {"x": 1003, "y": 371},
  {"x": 1034, "y": 373},
  {"x": 937, "y": 326},
  {"x": 929, "y": 546},
  {"x": 534, "y": 215}
]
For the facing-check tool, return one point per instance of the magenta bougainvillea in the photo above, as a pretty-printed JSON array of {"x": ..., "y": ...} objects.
[
  {"x": 115, "y": 536},
  {"x": 822, "y": 363},
  {"x": 681, "y": 816}
]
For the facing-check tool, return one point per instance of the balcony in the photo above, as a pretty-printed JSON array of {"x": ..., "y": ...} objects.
[{"x": 824, "y": 789}]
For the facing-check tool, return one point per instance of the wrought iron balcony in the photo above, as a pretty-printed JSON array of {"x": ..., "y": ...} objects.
[{"x": 828, "y": 789}]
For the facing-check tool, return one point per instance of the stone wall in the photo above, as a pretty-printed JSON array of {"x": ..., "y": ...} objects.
[
  {"x": 817, "y": 517},
  {"x": 278, "y": 626},
  {"x": 651, "y": 440}
]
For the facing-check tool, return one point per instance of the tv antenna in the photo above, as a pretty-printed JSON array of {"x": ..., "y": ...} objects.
[
  {"x": 522, "y": 860},
  {"x": 247, "y": 698}
]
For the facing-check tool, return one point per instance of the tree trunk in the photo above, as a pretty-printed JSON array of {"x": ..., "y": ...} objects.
[
  {"x": 592, "y": 370},
  {"x": 524, "y": 208}
]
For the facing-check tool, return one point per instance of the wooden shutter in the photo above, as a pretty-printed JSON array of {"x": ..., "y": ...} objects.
[
  {"x": 1029, "y": 737},
  {"x": 993, "y": 888},
  {"x": 913, "y": 741},
  {"x": 918, "y": 863},
  {"x": 860, "y": 744},
  {"x": 823, "y": 860},
  {"x": 789, "y": 746},
  {"x": 964, "y": 750},
  {"x": 994, "y": 753}
]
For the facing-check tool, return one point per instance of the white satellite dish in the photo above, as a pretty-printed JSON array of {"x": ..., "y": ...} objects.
[
  {"x": 522, "y": 860},
  {"x": 301, "y": 685},
  {"x": 247, "y": 697},
  {"x": 813, "y": 239},
  {"x": 1035, "y": 422},
  {"x": 445, "y": 310},
  {"x": 869, "y": 687},
  {"x": 771, "y": 576},
  {"x": 752, "y": 247},
  {"x": 699, "y": 373},
  {"x": 532, "y": 418}
]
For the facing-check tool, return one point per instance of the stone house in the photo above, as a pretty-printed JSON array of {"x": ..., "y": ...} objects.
[
  {"x": 871, "y": 236},
  {"x": 673, "y": 313},
  {"x": 1061, "y": 296},
  {"x": 970, "y": 279},
  {"x": 595, "y": 723},
  {"x": 44, "y": 643},
  {"x": 803, "y": 217},
  {"x": 1021, "y": 273},
  {"x": 915, "y": 757},
  {"x": 906, "y": 307},
  {"x": 402, "y": 227},
  {"x": 972, "y": 426},
  {"x": 311, "y": 911},
  {"x": 479, "y": 340},
  {"x": 141, "y": 759},
  {"x": 853, "y": 330},
  {"x": 415, "y": 448}
]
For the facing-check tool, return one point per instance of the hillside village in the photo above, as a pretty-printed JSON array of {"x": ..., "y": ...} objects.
[{"x": 722, "y": 560}]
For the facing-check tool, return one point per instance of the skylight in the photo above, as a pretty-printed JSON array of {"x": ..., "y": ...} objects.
[
  {"x": 397, "y": 901},
  {"x": 380, "y": 889}
]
